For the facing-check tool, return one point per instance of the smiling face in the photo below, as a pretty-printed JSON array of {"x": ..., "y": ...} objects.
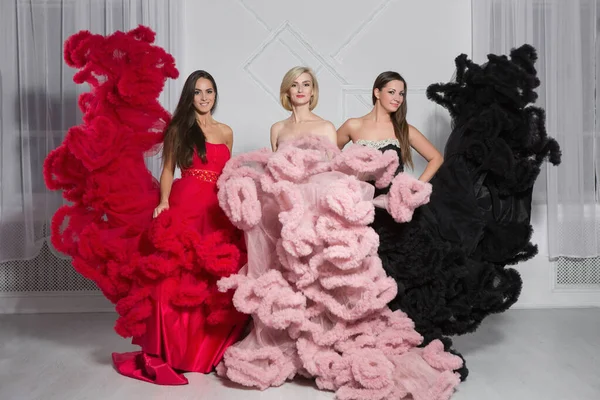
[
  {"x": 299, "y": 87},
  {"x": 391, "y": 96},
  {"x": 301, "y": 90},
  {"x": 204, "y": 96}
]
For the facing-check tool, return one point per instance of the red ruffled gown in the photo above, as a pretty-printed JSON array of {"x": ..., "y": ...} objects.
[
  {"x": 160, "y": 273},
  {"x": 180, "y": 337}
]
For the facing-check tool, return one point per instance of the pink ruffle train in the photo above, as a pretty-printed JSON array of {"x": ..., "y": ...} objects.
[{"x": 314, "y": 284}]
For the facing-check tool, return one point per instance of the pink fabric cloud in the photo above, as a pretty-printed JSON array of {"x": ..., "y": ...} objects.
[{"x": 314, "y": 284}]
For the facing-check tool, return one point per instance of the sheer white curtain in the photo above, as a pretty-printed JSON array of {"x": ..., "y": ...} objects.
[
  {"x": 565, "y": 34},
  {"x": 38, "y": 99}
]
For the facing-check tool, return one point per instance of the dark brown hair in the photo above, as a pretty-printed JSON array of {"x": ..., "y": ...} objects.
[
  {"x": 399, "y": 116},
  {"x": 184, "y": 134}
]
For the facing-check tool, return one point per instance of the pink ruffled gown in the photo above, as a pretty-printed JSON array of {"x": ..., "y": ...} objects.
[{"x": 314, "y": 284}]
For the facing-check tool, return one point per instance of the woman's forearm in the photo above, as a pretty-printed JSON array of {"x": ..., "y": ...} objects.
[
  {"x": 431, "y": 169},
  {"x": 166, "y": 181}
]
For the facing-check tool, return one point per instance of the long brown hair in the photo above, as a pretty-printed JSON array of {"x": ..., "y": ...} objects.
[
  {"x": 184, "y": 134},
  {"x": 399, "y": 116}
]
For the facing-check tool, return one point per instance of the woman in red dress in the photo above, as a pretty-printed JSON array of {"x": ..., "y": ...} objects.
[
  {"x": 159, "y": 272},
  {"x": 191, "y": 323}
]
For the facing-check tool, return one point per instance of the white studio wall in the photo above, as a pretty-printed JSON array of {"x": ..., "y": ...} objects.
[{"x": 249, "y": 45}]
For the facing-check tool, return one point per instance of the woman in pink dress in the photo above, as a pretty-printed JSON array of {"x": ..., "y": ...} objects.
[{"x": 314, "y": 284}]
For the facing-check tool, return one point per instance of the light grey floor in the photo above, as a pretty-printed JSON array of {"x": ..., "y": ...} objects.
[{"x": 519, "y": 355}]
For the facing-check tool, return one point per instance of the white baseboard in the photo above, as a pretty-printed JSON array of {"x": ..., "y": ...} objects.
[
  {"x": 541, "y": 306},
  {"x": 85, "y": 302},
  {"x": 54, "y": 302}
]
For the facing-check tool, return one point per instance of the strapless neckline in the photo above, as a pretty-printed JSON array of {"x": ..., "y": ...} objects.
[
  {"x": 217, "y": 144},
  {"x": 378, "y": 144}
]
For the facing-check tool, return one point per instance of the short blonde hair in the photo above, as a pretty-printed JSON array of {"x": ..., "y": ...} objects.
[{"x": 288, "y": 81}]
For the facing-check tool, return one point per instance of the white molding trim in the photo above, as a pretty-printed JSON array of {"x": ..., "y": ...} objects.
[
  {"x": 358, "y": 33},
  {"x": 54, "y": 302}
]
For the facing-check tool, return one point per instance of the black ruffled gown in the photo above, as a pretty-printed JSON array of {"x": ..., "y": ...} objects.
[{"x": 450, "y": 261}]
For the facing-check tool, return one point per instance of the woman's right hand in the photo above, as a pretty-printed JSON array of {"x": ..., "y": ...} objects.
[{"x": 161, "y": 207}]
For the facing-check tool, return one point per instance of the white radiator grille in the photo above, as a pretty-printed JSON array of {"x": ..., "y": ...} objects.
[
  {"x": 578, "y": 272},
  {"x": 44, "y": 273}
]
